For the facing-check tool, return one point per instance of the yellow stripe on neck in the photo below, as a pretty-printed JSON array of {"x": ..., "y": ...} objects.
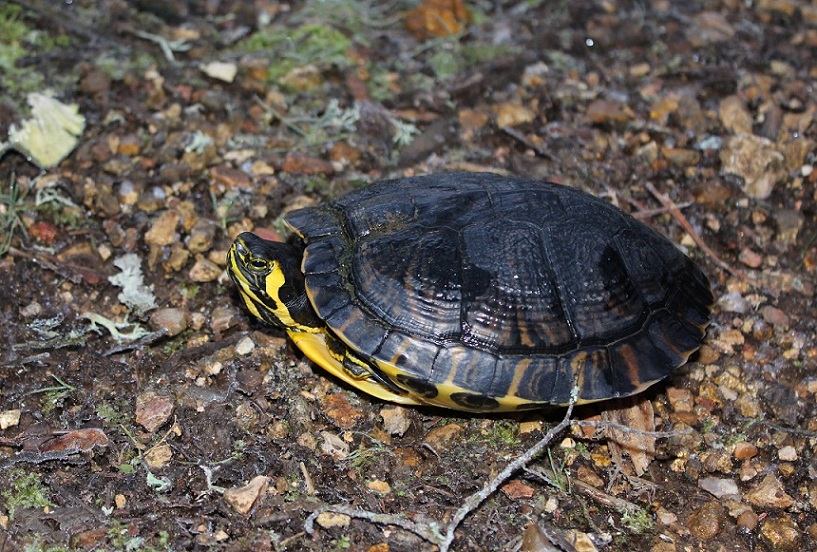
[{"x": 273, "y": 283}]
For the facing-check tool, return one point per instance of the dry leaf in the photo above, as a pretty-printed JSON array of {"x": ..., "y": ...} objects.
[{"x": 636, "y": 413}]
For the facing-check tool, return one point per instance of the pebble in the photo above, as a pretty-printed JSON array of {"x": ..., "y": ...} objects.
[
  {"x": 153, "y": 410},
  {"x": 223, "y": 318},
  {"x": 395, "y": 420},
  {"x": 510, "y": 114},
  {"x": 681, "y": 157},
  {"x": 709, "y": 27},
  {"x": 241, "y": 499},
  {"x": 744, "y": 450},
  {"x": 443, "y": 438},
  {"x": 163, "y": 230},
  {"x": 337, "y": 407},
  {"x": 172, "y": 321},
  {"x": 733, "y": 301},
  {"x": 10, "y": 418},
  {"x": 755, "y": 160},
  {"x": 719, "y": 487},
  {"x": 245, "y": 346},
  {"x": 734, "y": 115},
  {"x": 230, "y": 178},
  {"x": 750, "y": 258},
  {"x": 781, "y": 535},
  {"x": 379, "y": 486},
  {"x": 769, "y": 493},
  {"x": 328, "y": 520},
  {"x": 706, "y": 522},
  {"x": 787, "y": 454},
  {"x": 201, "y": 237},
  {"x": 602, "y": 112},
  {"x": 748, "y": 520},
  {"x": 204, "y": 270},
  {"x": 775, "y": 316}
]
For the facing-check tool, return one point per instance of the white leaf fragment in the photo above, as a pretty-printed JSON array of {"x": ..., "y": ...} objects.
[
  {"x": 137, "y": 296},
  {"x": 50, "y": 134}
]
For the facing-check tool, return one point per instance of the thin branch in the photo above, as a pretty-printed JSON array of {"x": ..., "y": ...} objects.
[
  {"x": 428, "y": 531},
  {"x": 682, "y": 220},
  {"x": 473, "y": 501}
]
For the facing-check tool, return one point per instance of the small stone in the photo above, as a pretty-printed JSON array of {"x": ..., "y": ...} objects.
[
  {"x": 744, "y": 450},
  {"x": 706, "y": 522},
  {"x": 9, "y": 418},
  {"x": 748, "y": 520},
  {"x": 204, "y": 270},
  {"x": 442, "y": 438},
  {"x": 681, "y": 157},
  {"x": 510, "y": 114},
  {"x": 220, "y": 70},
  {"x": 379, "y": 486},
  {"x": 781, "y": 535},
  {"x": 163, "y": 230},
  {"x": 733, "y": 301},
  {"x": 734, "y": 115},
  {"x": 787, "y": 454},
  {"x": 158, "y": 457},
  {"x": 603, "y": 112},
  {"x": 32, "y": 310},
  {"x": 241, "y": 499},
  {"x": 587, "y": 475},
  {"x": 338, "y": 408},
  {"x": 775, "y": 316},
  {"x": 395, "y": 420},
  {"x": 153, "y": 410},
  {"x": 515, "y": 490},
  {"x": 681, "y": 400},
  {"x": 709, "y": 27},
  {"x": 328, "y": 520},
  {"x": 223, "y": 318},
  {"x": 299, "y": 163},
  {"x": 245, "y": 346},
  {"x": 755, "y": 160},
  {"x": 230, "y": 178},
  {"x": 750, "y": 258},
  {"x": 172, "y": 321},
  {"x": 201, "y": 237},
  {"x": 769, "y": 493},
  {"x": 719, "y": 487}
]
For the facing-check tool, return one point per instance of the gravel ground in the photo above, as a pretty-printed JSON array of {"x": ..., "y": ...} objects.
[{"x": 141, "y": 408}]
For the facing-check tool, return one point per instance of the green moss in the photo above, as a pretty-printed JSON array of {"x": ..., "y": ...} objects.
[
  {"x": 637, "y": 521},
  {"x": 26, "y": 490},
  {"x": 309, "y": 44},
  {"x": 17, "y": 40}
]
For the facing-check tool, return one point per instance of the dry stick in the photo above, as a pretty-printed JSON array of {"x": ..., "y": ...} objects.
[
  {"x": 427, "y": 531},
  {"x": 473, "y": 501},
  {"x": 679, "y": 216}
]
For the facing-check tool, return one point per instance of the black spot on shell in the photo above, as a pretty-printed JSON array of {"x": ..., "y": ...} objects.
[
  {"x": 419, "y": 386},
  {"x": 474, "y": 402}
]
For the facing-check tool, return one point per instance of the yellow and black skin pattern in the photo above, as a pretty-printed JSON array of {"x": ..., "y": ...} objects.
[{"x": 478, "y": 292}]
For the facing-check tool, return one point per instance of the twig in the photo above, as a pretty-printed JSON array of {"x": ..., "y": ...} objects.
[
  {"x": 682, "y": 220},
  {"x": 518, "y": 136},
  {"x": 628, "y": 429},
  {"x": 428, "y": 531},
  {"x": 619, "y": 504},
  {"x": 477, "y": 498}
]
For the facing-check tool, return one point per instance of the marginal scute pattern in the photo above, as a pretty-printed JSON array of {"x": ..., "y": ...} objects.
[{"x": 483, "y": 291}]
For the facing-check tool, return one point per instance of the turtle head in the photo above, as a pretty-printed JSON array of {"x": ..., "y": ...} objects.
[{"x": 270, "y": 282}]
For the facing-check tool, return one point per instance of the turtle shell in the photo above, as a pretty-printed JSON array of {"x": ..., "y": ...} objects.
[{"x": 501, "y": 293}]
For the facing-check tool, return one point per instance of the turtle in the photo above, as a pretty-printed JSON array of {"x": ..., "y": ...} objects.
[{"x": 478, "y": 292}]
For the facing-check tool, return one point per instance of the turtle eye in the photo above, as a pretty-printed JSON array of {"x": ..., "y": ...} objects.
[{"x": 258, "y": 264}]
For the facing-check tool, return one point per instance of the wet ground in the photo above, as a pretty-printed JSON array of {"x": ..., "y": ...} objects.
[{"x": 141, "y": 408}]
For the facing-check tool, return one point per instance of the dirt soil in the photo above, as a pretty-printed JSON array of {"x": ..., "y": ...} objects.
[{"x": 142, "y": 408}]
